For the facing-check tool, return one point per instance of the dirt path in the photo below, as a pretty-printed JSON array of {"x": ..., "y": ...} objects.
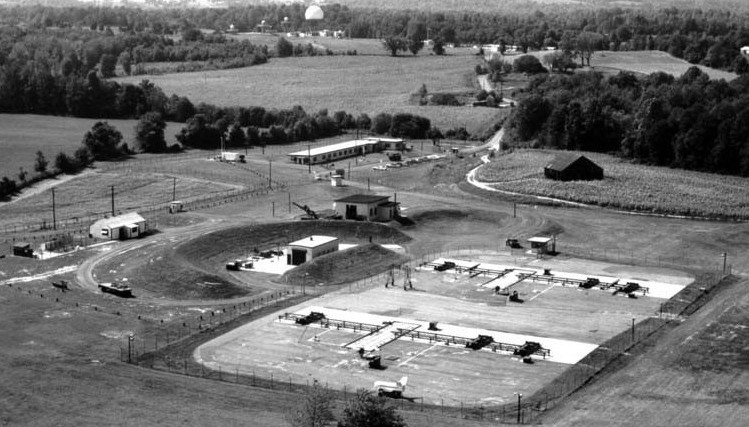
[{"x": 47, "y": 184}]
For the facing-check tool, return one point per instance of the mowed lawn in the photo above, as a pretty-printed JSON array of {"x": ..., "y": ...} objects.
[
  {"x": 22, "y": 135},
  {"x": 355, "y": 84},
  {"x": 625, "y": 185}
]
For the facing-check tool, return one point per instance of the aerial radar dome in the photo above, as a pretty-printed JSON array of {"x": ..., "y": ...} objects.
[{"x": 313, "y": 13}]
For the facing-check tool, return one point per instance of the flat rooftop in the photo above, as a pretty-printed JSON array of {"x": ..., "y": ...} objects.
[
  {"x": 363, "y": 199},
  {"x": 334, "y": 147},
  {"x": 313, "y": 241}
]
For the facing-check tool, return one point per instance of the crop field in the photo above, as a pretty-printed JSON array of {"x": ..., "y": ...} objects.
[
  {"x": 355, "y": 84},
  {"x": 625, "y": 186},
  {"x": 22, "y": 135},
  {"x": 569, "y": 321},
  {"x": 651, "y": 61}
]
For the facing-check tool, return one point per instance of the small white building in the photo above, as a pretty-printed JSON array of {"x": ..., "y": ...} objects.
[
  {"x": 368, "y": 207},
  {"x": 311, "y": 247},
  {"x": 745, "y": 50},
  {"x": 120, "y": 227}
]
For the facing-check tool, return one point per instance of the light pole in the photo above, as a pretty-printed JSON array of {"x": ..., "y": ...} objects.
[{"x": 520, "y": 395}]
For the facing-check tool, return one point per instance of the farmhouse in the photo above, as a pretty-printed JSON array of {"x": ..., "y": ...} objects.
[
  {"x": 368, "y": 207},
  {"x": 120, "y": 227},
  {"x": 572, "y": 167},
  {"x": 306, "y": 249},
  {"x": 342, "y": 150}
]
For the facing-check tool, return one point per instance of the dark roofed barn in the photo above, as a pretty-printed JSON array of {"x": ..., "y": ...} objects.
[{"x": 572, "y": 167}]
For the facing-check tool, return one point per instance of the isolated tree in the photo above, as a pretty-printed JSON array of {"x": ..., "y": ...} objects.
[
  {"x": 368, "y": 410},
  {"x": 438, "y": 46},
  {"x": 395, "y": 44},
  {"x": 414, "y": 45},
  {"x": 7, "y": 187},
  {"x": 586, "y": 43},
  {"x": 417, "y": 33},
  {"x": 528, "y": 64},
  {"x": 103, "y": 141},
  {"x": 435, "y": 135},
  {"x": 284, "y": 48},
  {"x": 315, "y": 409},
  {"x": 40, "y": 164},
  {"x": 149, "y": 133}
]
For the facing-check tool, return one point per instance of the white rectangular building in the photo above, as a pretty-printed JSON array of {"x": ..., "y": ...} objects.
[
  {"x": 346, "y": 149},
  {"x": 120, "y": 227},
  {"x": 311, "y": 247}
]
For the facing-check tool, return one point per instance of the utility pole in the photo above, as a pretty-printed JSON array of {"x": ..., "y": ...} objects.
[
  {"x": 54, "y": 215},
  {"x": 520, "y": 395},
  {"x": 270, "y": 174},
  {"x": 289, "y": 201},
  {"x": 112, "y": 199},
  {"x": 633, "y": 329},
  {"x": 309, "y": 159},
  {"x": 174, "y": 189},
  {"x": 725, "y": 254}
]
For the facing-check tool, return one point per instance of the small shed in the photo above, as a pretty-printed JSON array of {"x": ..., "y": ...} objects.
[
  {"x": 23, "y": 249},
  {"x": 540, "y": 245},
  {"x": 120, "y": 227},
  {"x": 366, "y": 206},
  {"x": 311, "y": 247},
  {"x": 572, "y": 167},
  {"x": 744, "y": 50}
]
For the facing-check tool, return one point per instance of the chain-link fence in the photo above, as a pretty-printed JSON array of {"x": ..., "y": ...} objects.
[{"x": 175, "y": 356}]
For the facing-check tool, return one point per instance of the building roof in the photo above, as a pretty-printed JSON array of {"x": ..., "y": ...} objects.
[
  {"x": 121, "y": 220},
  {"x": 363, "y": 199},
  {"x": 313, "y": 241},
  {"x": 564, "y": 160},
  {"x": 540, "y": 239},
  {"x": 333, "y": 148},
  {"x": 21, "y": 245}
]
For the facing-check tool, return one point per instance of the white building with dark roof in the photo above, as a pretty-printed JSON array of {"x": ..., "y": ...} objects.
[
  {"x": 367, "y": 207},
  {"x": 346, "y": 149}
]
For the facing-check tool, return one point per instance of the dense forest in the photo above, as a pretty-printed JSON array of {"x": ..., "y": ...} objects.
[{"x": 690, "y": 122}]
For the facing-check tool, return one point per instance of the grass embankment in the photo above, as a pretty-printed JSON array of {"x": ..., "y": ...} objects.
[
  {"x": 355, "y": 84},
  {"x": 626, "y": 186},
  {"x": 648, "y": 62},
  {"x": 196, "y": 269}
]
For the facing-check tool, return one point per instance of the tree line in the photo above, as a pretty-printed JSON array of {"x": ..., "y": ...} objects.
[
  {"x": 689, "y": 122},
  {"x": 709, "y": 37}
]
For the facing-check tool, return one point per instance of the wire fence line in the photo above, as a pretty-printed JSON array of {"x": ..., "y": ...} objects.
[{"x": 175, "y": 356}]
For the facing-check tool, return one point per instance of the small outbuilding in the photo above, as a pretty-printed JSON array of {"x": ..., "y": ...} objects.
[
  {"x": 120, "y": 227},
  {"x": 23, "y": 249},
  {"x": 368, "y": 207},
  {"x": 540, "y": 245},
  {"x": 311, "y": 247},
  {"x": 572, "y": 167}
]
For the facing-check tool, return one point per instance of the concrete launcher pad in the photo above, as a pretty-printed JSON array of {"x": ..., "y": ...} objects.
[{"x": 392, "y": 328}]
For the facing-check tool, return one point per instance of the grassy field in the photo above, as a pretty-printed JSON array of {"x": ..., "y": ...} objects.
[
  {"x": 626, "y": 186},
  {"x": 356, "y": 84},
  {"x": 651, "y": 61},
  {"x": 22, "y": 135}
]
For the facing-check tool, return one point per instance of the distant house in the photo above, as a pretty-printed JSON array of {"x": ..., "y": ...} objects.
[
  {"x": 368, "y": 207},
  {"x": 572, "y": 167},
  {"x": 745, "y": 50},
  {"x": 120, "y": 227}
]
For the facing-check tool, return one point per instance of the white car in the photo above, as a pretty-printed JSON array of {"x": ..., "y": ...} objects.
[{"x": 379, "y": 168}]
